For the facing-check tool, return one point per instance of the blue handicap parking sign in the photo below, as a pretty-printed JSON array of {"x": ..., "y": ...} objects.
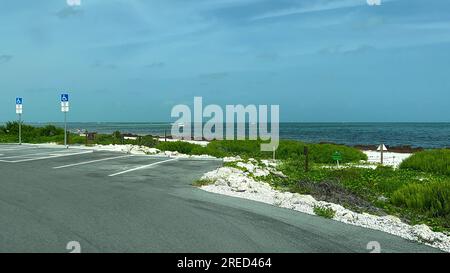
[
  {"x": 19, "y": 101},
  {"x": 64, "y": 97}
]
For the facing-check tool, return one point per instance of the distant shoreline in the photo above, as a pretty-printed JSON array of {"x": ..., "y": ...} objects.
[{"x": 403, "y": 136}]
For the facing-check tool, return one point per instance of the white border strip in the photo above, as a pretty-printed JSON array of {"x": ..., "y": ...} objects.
[
  {"x": 92, "y": 161},
  {"x": 142, "y": 167}
]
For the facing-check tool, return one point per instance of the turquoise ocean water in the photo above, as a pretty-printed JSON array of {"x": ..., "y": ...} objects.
[{"x": 426, "y": 135}]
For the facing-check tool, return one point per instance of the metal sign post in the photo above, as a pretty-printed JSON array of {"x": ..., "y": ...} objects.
[
  {"x": 19, "y": 111},
  {"x": 65, "y": 109},
  {"x": 382, "y": 148},
  {"x": 306, "y": 154},
  {"x": 337, "y": 156}
]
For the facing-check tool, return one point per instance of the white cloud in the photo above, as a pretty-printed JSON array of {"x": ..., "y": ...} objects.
[
  {"x": 73, "y": 3},
  {"x": 323, "y": 6},
  {"x": 319, "y": 7}
]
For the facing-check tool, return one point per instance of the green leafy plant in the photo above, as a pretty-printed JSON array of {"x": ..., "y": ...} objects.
[
  {"x": 148, "y": 141},
  {"x": 325, "y": 212}
]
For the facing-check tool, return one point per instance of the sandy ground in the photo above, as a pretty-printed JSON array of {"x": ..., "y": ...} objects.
[{"x": 390, "y": 159}]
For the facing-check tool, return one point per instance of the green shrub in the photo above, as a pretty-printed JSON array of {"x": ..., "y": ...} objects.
[
  {"x": 12, "y": 128},
  {"x": 431, "y": 198},
  {"x": 287, "y": 149},
  {"x": 179, "y": 146},
  {"x": 106, "y": 139},
  {"x": 434, "y": 161},
  {"x": 117, "y": 135},
  {"x": 243, "y": 148},
  {"x": 324, "y": 212},
  {"x": 76, "y": 139},
  {"x": 50, "y": 130},
  {"x": 148, "y": 141},
  {"x": 322, "y": 153}
]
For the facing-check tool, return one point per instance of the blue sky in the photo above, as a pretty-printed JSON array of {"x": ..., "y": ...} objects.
[{"x": 320, "y": 60}]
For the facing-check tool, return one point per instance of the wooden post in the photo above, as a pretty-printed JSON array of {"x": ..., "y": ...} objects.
[
  {"x": 306, "y": 153},
  {"x": 165, "y": 135},
  {"x": 382, "y": 153}
]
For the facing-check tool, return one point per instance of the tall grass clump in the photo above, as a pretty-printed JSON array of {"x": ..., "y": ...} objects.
[
  {"x": 431, "y": 198},
  {"x": 433, "y": 161}
]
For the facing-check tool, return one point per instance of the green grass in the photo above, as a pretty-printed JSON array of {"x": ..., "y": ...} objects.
[
  {"x": 415, "y": 196},
  {"x": 202, "y": 182},
  {"x": 179, "y": 146},
  {"x": 430, "y": 198},
  {"x": 434, "y": 161},
  {"x": 288, "y": 149},
  {"x": 324, "y": 212}
]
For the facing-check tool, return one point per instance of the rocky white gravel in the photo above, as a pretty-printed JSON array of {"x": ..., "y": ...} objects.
[
  {"x": 143, "y": 150},
  {"x": 238, "y": 182},
  {"x": 203, "y": 143}
]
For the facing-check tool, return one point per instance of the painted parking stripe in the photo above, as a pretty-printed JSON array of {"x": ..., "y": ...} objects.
[
  {"x": 46, "y": 157},
  {"x": 41, "y": 153},
  {"x": 16, "y": 148},
  {"x": 92, "y": 161},
  {"x": 142, "y": 167}
]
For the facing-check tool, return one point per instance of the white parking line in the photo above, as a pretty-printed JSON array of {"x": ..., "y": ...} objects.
[
  {"x": 46, "y": 157},
  {"x": 92, "y": 161},
  {"x": 16, "y": 148},
  {"x": 142, "y": 167},
  {"x": 41, "y": 153}
]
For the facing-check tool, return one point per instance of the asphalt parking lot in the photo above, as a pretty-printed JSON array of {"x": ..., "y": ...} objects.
[{"x": 115, "y": 202}]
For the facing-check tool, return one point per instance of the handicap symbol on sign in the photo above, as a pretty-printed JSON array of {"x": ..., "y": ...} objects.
[
  {"x": 19, "y": 101},
  {"x": 64, "y": 97}
]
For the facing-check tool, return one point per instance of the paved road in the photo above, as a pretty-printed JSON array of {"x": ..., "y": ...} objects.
[{"x": 154, "y": 209}]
